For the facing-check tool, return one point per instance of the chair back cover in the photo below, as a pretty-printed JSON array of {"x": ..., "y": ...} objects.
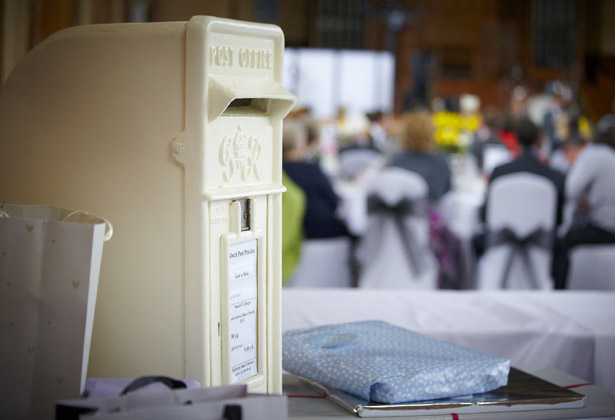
[
  {"x": 323, "y": 263},
  {"x": 394, "y": 252},
  {"x": 520, "y": 221},
  {"x": 356, "y": 161},
  {"x": 592, "y": 267}
]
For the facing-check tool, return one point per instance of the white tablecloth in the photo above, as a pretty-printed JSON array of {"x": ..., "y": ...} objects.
[
  {"x": 566, "y": 330},
  {"x": 460, "y": 212},
  {"x": 459, "y": 207},
  {"x": 352, "y": 208},
  {"x": 599, "y": 403}
]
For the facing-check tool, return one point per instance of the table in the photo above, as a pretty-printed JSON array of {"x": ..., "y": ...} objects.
[
  {"x": 460, "y": 212},
  {"x": 572, "y": 331},
  {"x": 598, "y": 402},
  {"x": 459, "y": 209},
  {"x": 352, "y": 208}
]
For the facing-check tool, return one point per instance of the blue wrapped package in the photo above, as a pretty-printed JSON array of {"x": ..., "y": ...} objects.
[{"x": 380, "y": 362}]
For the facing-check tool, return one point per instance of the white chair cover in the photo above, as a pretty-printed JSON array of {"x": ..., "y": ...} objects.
[
  {"x": 592, "y": 267},
  {"x": 356, "y": 161},
  {"x": 394, "y": 252},
  {"x": 520, "y": 205},
  {"x": 323, "y": 263}
]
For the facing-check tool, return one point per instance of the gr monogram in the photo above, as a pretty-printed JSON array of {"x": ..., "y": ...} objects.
[{"x": 239, "y": 154}]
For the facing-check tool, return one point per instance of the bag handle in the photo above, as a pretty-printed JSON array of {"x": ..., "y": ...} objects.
[
  {"x": 108, "y": 225},
  {"x": 148, "y": 380},
  {"x": 108, "y": 228}
]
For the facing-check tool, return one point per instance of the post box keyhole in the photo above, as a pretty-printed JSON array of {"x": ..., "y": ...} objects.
[{"x": 245, "y": 214}]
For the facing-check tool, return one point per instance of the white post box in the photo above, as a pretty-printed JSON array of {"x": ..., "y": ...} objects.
[{"x": 172, "y": 131}]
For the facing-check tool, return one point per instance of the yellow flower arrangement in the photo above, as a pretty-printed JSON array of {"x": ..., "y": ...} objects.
[
  {"x": 452, "y": 130},
  {"x": 585, "y": 129}
]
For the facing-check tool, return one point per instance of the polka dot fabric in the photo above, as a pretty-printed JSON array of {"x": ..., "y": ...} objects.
[{"x": 380, "y": 362}]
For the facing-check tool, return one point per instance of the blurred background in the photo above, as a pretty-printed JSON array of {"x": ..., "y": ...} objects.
[
  {"x": 435, "y": 89},
  {"x": 439, "y": 48},
  {"x": 446, "y": 145}
]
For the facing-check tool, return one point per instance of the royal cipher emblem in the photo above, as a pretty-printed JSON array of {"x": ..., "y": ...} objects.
[{"x": 239, "y": 155}]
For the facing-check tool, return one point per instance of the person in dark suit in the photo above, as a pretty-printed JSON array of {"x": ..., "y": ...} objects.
[
  {"x": 320, "y": 220},
  {"x": 530, "y": 138}
]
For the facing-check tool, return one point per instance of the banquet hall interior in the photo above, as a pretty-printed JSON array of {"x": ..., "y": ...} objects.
[{"x": 448, "y": 165}]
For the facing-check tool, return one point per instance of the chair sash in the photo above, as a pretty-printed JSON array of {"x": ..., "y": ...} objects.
[
  {"x": 399, "y": 211},
  {"x": 520, "y": 245}
]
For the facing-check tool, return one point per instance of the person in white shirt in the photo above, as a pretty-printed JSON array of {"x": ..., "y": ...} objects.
[{"x": 589, "y": 184}]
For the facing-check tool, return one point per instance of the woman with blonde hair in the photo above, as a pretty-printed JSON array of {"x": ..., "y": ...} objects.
[{"x": 419, "y": 153}]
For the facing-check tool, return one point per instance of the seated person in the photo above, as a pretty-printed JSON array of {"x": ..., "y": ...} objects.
[
  {"x": 590, "y": 185},
  {"x": 508, "y": 137},
  {"x": 320, "y": 219},
  {"x": 377, "y": 133},
  {"x": 530, "y": 139},
  {"x": 487, "y": 135},
  {"x": 561, "y": 158},
  {"x": 293, "y": 211},
  {"x": 418, "y": 154}
]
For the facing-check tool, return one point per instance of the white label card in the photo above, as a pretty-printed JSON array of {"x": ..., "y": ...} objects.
[{"x": 243, "y": 292}]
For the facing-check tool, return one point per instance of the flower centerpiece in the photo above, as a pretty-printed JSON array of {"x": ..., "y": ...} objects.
[{"x": 454, "y": 131}]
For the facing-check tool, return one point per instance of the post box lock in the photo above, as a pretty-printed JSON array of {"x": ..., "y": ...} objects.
[
  {"x": 245, "y": 214},
  {"x": 240, "y": 215}
]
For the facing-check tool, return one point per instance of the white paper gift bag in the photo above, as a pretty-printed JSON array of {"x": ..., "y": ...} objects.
[{"x": 49, "y": 266}]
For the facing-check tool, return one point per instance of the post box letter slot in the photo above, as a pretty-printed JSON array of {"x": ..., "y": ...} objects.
[
  {"x": 247, "y": 106},
  {"x": 230, "y": 95}
]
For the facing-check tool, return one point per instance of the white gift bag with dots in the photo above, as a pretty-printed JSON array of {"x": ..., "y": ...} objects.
[{"x": 49, "y": 266}]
